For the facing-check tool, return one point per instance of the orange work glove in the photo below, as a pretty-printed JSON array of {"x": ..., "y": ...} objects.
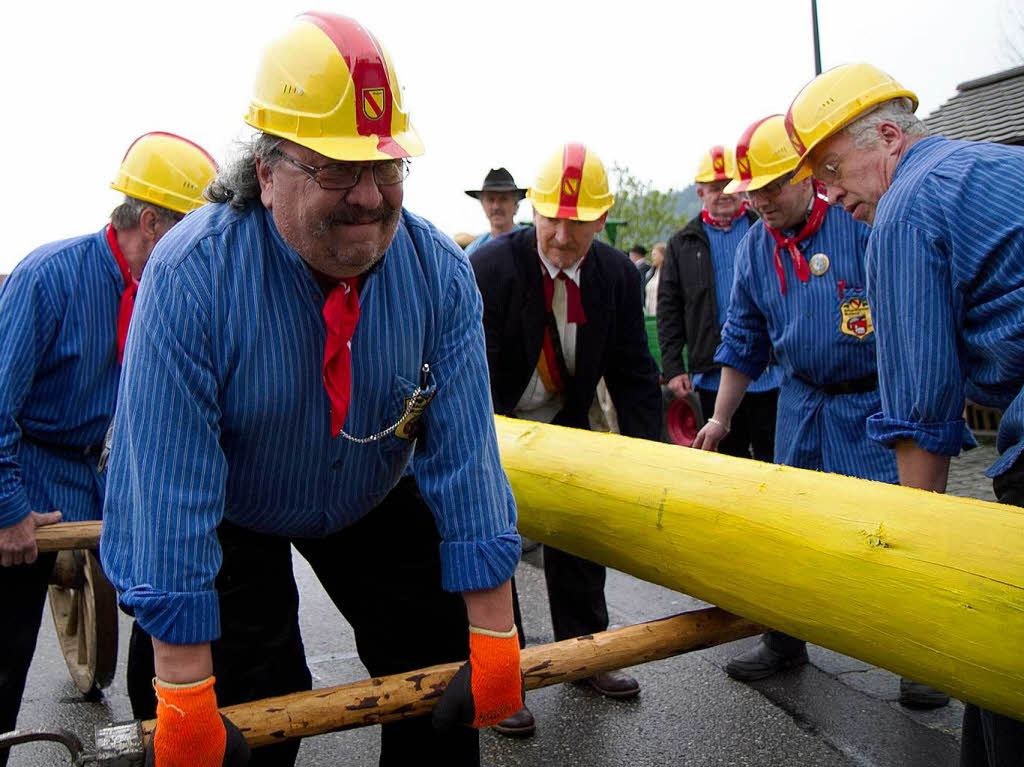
[
  {"x": 488, "y": 687},
  {"x": 190, "y": 732}
]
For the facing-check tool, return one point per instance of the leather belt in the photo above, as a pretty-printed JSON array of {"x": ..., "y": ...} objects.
[{"x": 853, "y": 386}]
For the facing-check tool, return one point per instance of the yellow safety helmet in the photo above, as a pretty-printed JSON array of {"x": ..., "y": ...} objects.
[
  {"x": 716, "y": 164},
  {"x": 834, "y": 99},
  {"x": 166, "y": 170},
  {"x": 763, "y": 154},
  {"x": 328, "y": 84},
  {"x": 572, "y": 184}
]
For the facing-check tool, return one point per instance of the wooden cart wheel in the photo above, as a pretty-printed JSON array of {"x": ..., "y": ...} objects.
[{"x": 84, "y": 608}]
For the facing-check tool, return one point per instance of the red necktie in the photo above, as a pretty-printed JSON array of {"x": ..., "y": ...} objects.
[
  {"x": 131, "y": 287},
  {"x": 341, "y": 313},
  {"x": 573, "y": 303},
  {"x": 819, "y": 208}
]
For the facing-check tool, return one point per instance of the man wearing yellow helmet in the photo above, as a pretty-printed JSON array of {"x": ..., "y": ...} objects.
[
  {"x": 302, "y": 333},
  {"x": 799, "y": 297},
  {"x": 945, "y": 273},
  {"x": 693, "y": 299},
  {"x": 64, "y": 315},
  {"x": 561, "y": 311}
]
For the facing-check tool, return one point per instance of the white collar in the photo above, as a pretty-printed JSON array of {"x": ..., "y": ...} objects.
[{"x": 573, "y": 272}]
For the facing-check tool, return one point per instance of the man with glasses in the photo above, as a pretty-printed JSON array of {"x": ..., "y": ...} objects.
[
  {"x": 945, "y": 264},
  {"x": 64, "y": 316},
  {"x": 693, "y": 299},
  {"x": 301, "y": 336},
  {"x": 799, "y": 297}
]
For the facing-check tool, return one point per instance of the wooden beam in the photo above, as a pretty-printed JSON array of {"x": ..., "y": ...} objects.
[{"x": 927, "y": 585}]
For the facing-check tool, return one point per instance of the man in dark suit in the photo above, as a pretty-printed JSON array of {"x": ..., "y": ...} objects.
[{"x": 561, "y": 311}]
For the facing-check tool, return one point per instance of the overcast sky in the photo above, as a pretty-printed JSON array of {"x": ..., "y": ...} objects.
[{"x": 646, "y": 84}]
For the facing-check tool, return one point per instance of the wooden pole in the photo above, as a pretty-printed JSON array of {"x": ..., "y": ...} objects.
[
  {"x": 401, "y": 696},
  {"x": 927, "y": 585},
  {"x": 68, "y": 535}
]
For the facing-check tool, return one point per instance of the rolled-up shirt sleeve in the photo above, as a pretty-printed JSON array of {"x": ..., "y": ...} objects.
[
  {"x": 457, "y": 464},
  {"x": 916, "y": 315},
  {"x": 745, "y": 344},
  {"x": 27, "y": 326},
  {"x": 166, "y": 485}
]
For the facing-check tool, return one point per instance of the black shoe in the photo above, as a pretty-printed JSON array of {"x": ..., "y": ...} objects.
[
  {"x": 761, "y": 662},
  {"x": 520, "y": 725},
  {"x": 614, "y": 684},
  {"x": 917, "y": 695}
]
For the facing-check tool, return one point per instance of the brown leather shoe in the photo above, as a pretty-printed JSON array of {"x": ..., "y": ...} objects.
[
  {"x": 519, "y": 725},
  {"x": 614, "y": 684}
]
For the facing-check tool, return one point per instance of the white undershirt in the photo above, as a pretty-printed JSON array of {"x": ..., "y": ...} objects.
[{"x": 537, "y": 403}]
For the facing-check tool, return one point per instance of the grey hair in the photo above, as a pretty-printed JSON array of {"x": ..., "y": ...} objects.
[
  {"x": 237, "y": 183},
  {"x": 864, "y": 130},
  {"x": 125, "y": 216}
]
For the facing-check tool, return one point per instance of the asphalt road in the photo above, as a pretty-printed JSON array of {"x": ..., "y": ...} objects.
[{"x": 834, "y": 711}]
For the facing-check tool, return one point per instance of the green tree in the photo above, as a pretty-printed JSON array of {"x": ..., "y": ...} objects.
[{"x": 648, "y": 215}]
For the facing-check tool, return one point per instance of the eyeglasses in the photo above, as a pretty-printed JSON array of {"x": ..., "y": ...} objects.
[
  {"x": 828, "y": 172},
  {"x": 337, "y": 176},
  {"x": 772, "y": 190}
]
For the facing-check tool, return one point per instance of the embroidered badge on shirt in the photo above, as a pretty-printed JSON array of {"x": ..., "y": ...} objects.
[
  {"x": 818, "y": 264},
  {"x": 855, "y": 318},
  {"x": 409, "y": 427}
]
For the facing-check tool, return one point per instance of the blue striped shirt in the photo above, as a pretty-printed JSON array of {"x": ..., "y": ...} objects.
[
  {"x": 946, "y": 281},
  {"x": 820, "y": 334},
  {"x": 58, "y": 377},
  {"x": 723, "y": 258},
  {"x": 223, "y": 413}
]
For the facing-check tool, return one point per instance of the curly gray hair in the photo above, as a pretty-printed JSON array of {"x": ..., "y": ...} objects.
[{"x": 237, "y": 183}]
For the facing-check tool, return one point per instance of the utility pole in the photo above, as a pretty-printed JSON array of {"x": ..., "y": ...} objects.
[{"x": 817, "y": 43}]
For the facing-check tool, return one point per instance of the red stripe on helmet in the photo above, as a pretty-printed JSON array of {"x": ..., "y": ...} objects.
[
  {"x": 573, "y": 157},
  {"x": 794, "y": 137},
  {"x": 365, "y": 61},
  {"x": 175, "y": 136},
  {"x": 718, "y": 162},
  {"x": 742, "y": 149}
]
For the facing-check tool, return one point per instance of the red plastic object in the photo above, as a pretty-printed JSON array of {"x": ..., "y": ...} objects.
[{"x": 681, "y": 422}]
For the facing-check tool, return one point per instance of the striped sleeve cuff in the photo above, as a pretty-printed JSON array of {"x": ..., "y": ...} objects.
[
  {"x": 940, "y": 438},
  {"x": 15, "y": 507},
  {"x": 174, "y": 617},
  {"x": 725, "y": 355},
  {"x": 478, "y": 565}
]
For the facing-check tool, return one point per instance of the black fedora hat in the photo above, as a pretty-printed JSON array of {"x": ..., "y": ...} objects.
[{"x": 497, "y": 180}]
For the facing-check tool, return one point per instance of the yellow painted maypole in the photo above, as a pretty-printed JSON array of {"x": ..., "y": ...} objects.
[{"x": 927, "y": 585}]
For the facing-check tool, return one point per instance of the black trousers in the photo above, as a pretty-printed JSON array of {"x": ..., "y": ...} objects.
[
  {"x": 22, "y": 595},
  {"x": 575, "y": 596},
  {"x": 989, "y": 739},
  {"x": 384, "y": 575},
  {"x": 752, "y": 432}
]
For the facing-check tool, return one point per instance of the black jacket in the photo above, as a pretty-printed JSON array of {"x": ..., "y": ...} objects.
[
  {"x": 612, "y": 343},
  {"x": 687, "y": 309}
]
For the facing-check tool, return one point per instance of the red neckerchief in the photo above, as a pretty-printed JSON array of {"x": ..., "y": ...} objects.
[
  {"x": 719, "y": 223},
  {"x": 131, "y": 288},
  {"x": 341, "y": 313},
  {"x": 819, "y": 207}
]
